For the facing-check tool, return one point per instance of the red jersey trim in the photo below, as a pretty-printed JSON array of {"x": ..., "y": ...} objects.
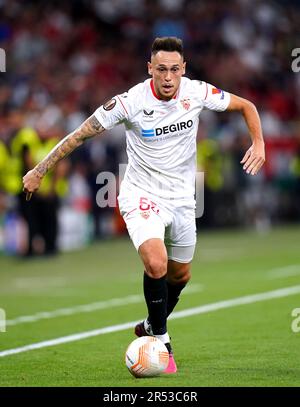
[
  {"x": 122, "y": 105},
  {"x": 156, "y": 95}
]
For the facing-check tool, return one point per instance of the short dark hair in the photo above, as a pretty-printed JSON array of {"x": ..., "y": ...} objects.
[{"x": 169, "y": 44}]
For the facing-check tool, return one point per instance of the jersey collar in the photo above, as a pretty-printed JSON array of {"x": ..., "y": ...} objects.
[{"x": 156, "y": 95}]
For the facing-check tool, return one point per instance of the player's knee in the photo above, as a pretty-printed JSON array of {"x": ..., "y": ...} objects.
[
  {"x": 185, "y": 278},
  {"x": 182, "y": 276},
  {"x": 156, "y": 267}
]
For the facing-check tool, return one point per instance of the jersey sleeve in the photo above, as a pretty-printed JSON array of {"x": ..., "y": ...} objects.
[
  {"x": 214, "y": 98},
  {"x": 114, "y": 111}
]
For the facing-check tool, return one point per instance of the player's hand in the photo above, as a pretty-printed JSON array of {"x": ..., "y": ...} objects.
[
  {"x": 254, "y": 158},
  {"x": 31, "y": 182}
]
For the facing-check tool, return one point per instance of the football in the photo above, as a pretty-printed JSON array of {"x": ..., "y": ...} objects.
[{"x": 146, "y": 357}]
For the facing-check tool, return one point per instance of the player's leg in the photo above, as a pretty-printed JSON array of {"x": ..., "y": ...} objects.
[
  {"x": 178, "y": 276},
  {"x": 167, "y": 288},
  {"x": 154, "y": 256},
  {"x": 145, "y": 221}
]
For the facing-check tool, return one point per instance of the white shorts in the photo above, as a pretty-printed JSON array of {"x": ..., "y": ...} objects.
[{"x": 149, "y": 217}]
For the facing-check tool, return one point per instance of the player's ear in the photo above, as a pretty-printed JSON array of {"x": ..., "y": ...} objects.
[
  {"x": 150, "y": 68},
  {"x": 183, "y": 68}
]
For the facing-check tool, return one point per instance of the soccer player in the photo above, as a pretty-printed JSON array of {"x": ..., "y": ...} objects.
[{"x": 156, "y": 197}]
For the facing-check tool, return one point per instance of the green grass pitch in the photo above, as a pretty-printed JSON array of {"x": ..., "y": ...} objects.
[{"x": 250, "y": 344}]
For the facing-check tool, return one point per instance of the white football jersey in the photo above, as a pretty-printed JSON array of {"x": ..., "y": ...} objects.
[{"x": 161, "y": 135}]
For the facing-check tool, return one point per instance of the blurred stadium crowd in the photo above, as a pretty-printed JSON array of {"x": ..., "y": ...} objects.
[{"x": 65, "y": 58}]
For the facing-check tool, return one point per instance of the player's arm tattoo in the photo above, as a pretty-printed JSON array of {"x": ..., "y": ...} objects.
[{"x": 90, "y": 128}]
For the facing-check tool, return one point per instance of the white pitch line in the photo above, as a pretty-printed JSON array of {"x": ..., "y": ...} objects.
[
  {"x": 282, "y": 272},
  {"x": 248, "y": 299},
  {"x": 94, "y": 306}
]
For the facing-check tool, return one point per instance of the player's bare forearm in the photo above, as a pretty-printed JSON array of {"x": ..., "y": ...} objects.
[
  {"x": 254, "y": 157},
  {"x": 90, "y": 128}
]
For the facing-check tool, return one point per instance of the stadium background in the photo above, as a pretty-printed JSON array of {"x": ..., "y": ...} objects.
[{"x": 64, "y": 59}]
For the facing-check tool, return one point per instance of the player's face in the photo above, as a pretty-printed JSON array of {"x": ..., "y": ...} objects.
[{"x": 166, "y": 69}]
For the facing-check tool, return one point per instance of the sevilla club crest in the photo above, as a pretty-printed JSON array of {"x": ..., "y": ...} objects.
[{"x": 186, "y": 103}]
